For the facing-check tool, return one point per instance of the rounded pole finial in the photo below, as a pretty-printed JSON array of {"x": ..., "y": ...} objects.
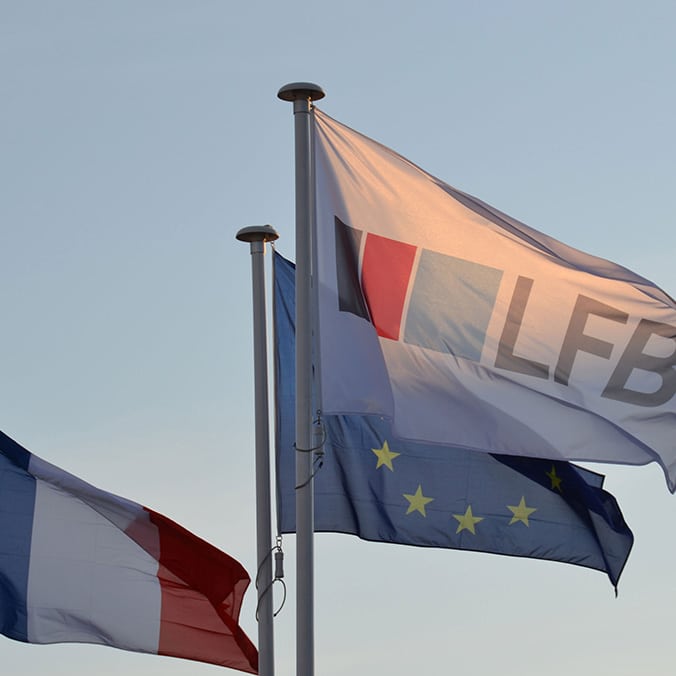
[
  {"x": 257, "y": 233},
  {"x": 301, "y": 90}
]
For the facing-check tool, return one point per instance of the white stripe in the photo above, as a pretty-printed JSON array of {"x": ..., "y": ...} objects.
[{"x": 89, "y": 582}]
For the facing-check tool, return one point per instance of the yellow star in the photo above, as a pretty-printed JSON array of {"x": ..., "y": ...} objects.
[
  {"x": 385, "y": 456},
  {"x": 555, "y": 479},
  {"x": 521, "y": 512},
  {"x": 417, "y": 501},
  {"x": 467, "y": 521}
]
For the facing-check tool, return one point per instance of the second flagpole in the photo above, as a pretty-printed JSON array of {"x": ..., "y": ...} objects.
[
  {"x": 257, "y": 236},
  {"x": 302, "y": 94}
]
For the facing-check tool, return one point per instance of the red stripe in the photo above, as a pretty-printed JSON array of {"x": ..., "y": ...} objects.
[
  {"x": 202, "y": 592},
  {"x": 386, "y": 271}
]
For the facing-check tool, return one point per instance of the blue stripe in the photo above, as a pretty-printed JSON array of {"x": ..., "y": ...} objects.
[
  {"x": 17, "y": 502},
  {"x": 456, "y": 320}
]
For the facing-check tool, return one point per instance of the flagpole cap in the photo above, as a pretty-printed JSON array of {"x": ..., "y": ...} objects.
[
  {"x": 301, "y": 90},
  {"x": 257, "y": 233}
]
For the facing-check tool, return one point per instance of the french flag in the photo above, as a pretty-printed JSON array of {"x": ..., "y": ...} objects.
[{"x": 78, "y": 564}]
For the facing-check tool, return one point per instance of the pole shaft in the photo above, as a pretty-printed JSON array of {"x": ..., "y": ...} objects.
[
  {"x": 304, "y": 436},
  {"x": 263, "y": 509},
  {"x": 302, "y": 94}
]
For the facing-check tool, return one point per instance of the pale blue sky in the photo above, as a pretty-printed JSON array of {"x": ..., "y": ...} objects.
[{"x": 136, "y": 138}]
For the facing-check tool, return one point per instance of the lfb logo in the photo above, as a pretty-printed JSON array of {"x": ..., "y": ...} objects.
[{"x": 445, "y": 304}]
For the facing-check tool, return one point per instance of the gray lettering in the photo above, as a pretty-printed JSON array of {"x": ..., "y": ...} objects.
[
  {"x": 634, "y": 358},
  {"x": 506, "y": 359},
  {"x": 576, "y": 340}
]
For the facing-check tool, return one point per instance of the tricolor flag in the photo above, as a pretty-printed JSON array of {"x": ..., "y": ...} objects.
[
  {"x": 379, "y": 488},
  {"x": 464, "y": 327},
  {"x": 78, "y": 564}
]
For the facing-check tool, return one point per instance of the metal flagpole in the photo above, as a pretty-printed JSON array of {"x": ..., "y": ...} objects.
[
  {"x": 303, "y": 94},
  {"x": 257, "y": 236}
]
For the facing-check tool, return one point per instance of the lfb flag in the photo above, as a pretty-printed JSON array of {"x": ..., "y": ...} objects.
[{"x": 466, "y": 327}]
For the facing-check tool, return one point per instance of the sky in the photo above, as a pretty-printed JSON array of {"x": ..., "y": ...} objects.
[{"x": 138, "y": 136}]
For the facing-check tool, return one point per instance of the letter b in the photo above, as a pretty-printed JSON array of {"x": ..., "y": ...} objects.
[{"x": 634, "y": 358}]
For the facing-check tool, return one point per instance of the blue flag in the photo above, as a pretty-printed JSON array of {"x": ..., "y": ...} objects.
[{"x": 370, "y": 484}]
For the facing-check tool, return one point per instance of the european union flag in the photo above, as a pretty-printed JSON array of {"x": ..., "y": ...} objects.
[{"x": 379, "y": 488}]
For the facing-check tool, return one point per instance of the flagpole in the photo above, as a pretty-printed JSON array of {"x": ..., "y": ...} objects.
[
  {"x": 257, "y": 236},
  {"x": 302, "y": 94}
]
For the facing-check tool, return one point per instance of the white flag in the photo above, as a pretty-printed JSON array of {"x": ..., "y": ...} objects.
[{"x": 468, "y": 328}]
